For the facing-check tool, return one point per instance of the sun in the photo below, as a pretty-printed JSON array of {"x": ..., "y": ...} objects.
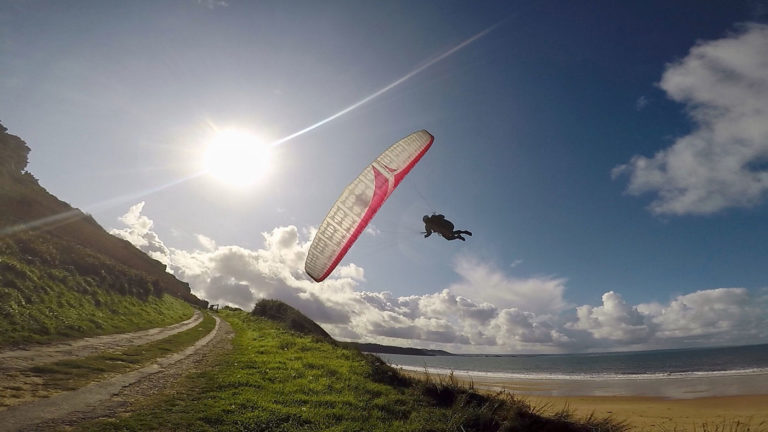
[{"x": 237, "y": 157}]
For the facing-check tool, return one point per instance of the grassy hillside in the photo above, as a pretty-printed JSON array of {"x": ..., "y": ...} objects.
[
  {"x": 49, "y": 232},
  {"x": 275, "y": 379},
  {"x": 62, "y": 275},
  {"x": 290, "y": 318},
  {"x": 41, "y": 304}
]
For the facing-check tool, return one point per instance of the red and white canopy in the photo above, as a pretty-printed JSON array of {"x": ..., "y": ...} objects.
[{"x": 360, "y": 201}]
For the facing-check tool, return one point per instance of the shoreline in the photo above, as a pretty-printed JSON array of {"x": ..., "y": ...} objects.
[
  {"x": 663, "y": 404},
  {"x": 569, "y": 377},
  {"x": 669, "y": 387}
]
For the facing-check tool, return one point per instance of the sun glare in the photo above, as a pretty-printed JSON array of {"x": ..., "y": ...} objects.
[{"x": 237, "y": 157}]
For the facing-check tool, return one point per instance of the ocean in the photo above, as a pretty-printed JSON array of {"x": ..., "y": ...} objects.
[{"x": 740, "y": 360}]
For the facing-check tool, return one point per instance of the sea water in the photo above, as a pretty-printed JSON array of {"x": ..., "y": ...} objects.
[{"x": 741, "y": 360}]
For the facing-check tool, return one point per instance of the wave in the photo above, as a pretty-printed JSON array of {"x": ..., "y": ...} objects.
[{"x": 576, "y": 377}]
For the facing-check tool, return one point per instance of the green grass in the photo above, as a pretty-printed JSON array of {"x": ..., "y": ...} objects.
[
  {"x": 289, "y": 317},
  {"x": 278, "y": 380},
  {"x": 40, "y": 304}
]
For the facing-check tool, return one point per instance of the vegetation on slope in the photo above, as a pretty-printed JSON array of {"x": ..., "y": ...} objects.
[
  {"x": 278, "y": 380},
  {"x": 50, "y": 233},
  {"x": 290, "y": 318},
  {"x": 52, "y": 290},
  {"x": 63, "y": 276},
  {"x": 44, "y": 303}
]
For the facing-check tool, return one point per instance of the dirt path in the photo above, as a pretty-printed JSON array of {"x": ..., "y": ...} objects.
[
  {"x": 20, "y": 359},
  {"x": 108, "y": 397}
]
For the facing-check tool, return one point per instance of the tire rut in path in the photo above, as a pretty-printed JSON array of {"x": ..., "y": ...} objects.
[
  {"x": 107, "y": 398},
  {"x": 20, "y": 359}
]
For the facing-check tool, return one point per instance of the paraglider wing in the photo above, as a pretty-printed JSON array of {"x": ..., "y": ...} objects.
[{"x": 360, "y": 201}]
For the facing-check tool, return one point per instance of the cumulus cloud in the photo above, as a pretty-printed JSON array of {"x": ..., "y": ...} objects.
[
  {"x": 722, "y": 162},
  {"x": 721, "y": 316},
  {"x": 483, "y": 281},
  {"x": 139, "y": 233},
  {"x": 718, "y": 316},
  {"x": 485, "y": 310},
  {"x": 206, "y": 242},
  {"x": 512, "y": 325},
  {"x": 614, "y": 320}
]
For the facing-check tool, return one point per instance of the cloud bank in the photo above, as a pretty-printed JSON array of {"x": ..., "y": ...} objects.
[
  {"x": 723, "y": 162},
  {"x": 486, "y": 310}
]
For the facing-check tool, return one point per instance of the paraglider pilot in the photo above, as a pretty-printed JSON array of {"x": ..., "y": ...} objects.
[{"x": 442, "y": 226}]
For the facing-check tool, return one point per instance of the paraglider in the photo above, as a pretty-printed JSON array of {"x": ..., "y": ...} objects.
[
  {"x": 360, "y": 201},
  {"x": 443, "y": 227}
]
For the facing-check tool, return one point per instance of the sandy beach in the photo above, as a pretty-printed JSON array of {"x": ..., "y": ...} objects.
[
  {"x": 710, "y": 403},
  {"x": 659, "y": 414}
]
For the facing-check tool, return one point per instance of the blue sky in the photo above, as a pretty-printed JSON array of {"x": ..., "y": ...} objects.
[{"x": 609, "y": 158}]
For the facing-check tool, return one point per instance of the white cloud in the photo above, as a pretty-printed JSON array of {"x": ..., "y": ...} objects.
[
  {"x": 721, "y": 163},
  {"x": 351, "y": 271},
  {"x": 484, "y": 282},
  {"x": 139, "y": 233},
  {"x": 512, "y": 326},
  {"x": 206, "y": 242},
  {"x": 722, "y": 315},
  {"x": 614, "y": 320},
  {"x": 486, "y": 310}
]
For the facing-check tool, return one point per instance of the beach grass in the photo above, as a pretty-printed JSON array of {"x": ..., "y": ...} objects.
[{"x": 275, "y": 379}]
